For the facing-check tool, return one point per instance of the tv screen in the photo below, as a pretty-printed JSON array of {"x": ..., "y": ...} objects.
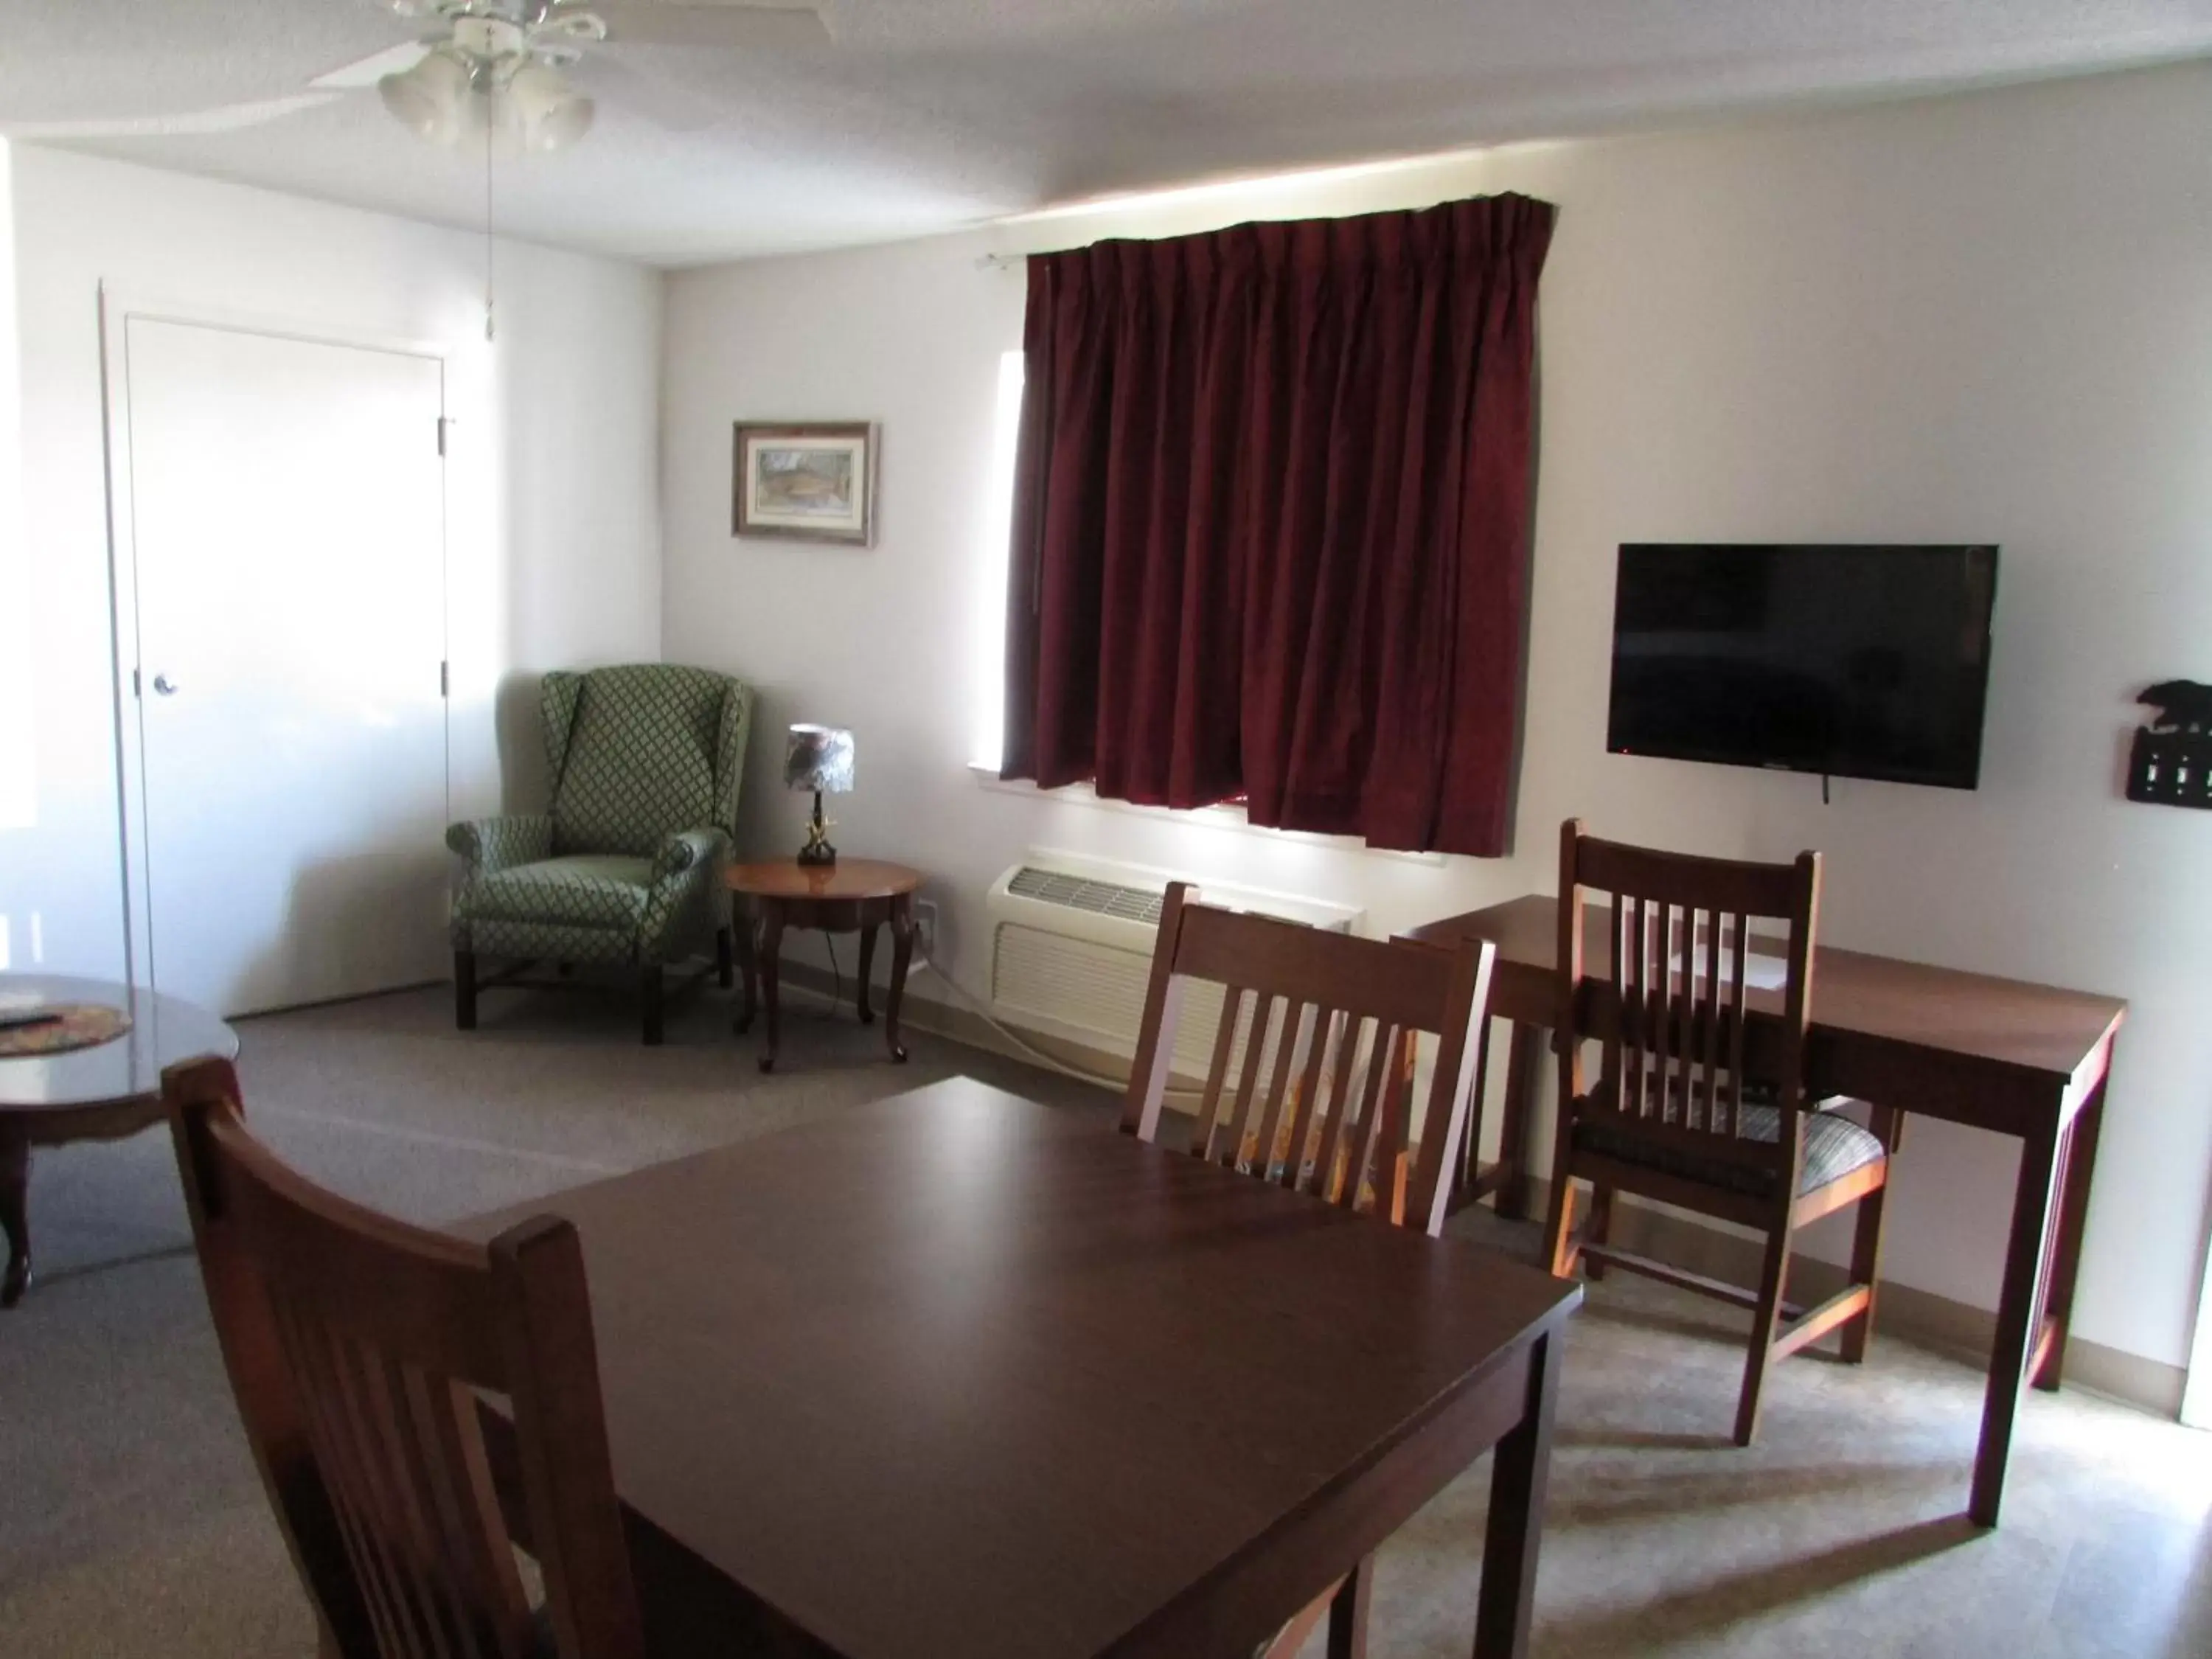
[{"x": 1856, "y": 662}]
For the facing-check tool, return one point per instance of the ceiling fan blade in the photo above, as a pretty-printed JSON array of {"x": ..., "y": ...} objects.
[
  {"x": 654, "y": 99},
  {"x": 760, "y": 26},
  {"x": 229, "y": 118},
  {"x": 368, "y": 71}
]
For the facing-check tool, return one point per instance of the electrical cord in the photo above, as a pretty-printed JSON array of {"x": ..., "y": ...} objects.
[
  {"x": 981, "y": 1010},
  {"x": 1030, "y": 1051}
]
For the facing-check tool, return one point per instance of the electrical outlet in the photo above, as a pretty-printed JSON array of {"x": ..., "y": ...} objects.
[{"x": 925, "y": 929}]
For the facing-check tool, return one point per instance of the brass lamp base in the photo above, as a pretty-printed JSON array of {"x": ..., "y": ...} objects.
[{"x": 818, "y": 850}]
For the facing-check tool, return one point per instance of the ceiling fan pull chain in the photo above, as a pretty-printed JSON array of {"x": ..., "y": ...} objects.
[{"x": 490, "y": 125}]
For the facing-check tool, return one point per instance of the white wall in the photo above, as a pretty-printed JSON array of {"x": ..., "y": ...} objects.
[
  {"x": 1980, "y": 317},
  {"x": 553, "y": 514}
]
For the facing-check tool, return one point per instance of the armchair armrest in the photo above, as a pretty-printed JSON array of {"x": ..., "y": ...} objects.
[
  {"x": 688, "y": 849},
  {"x": 680, "y": 911},
  {"x": 490, "y": 844}
]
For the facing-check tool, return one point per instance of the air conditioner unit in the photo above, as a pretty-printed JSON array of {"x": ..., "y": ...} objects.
[{"x": 1071, "y": 943}]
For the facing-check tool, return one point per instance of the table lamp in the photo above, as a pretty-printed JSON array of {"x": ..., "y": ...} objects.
[{"x": 820, "y": 758}]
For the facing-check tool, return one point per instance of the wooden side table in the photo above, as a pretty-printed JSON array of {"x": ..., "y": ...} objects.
[
  {"x": 851, "y": 895},
  {"x": 102, "y": 1093}
]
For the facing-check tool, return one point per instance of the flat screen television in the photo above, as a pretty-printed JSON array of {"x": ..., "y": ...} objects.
[{"x": 1853, "y": 662}]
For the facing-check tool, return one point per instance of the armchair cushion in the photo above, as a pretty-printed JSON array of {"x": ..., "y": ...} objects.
[{"x": 586, "y": 891}]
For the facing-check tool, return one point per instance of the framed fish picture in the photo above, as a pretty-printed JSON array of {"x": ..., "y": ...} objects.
[{"x": 812, "y": 481}]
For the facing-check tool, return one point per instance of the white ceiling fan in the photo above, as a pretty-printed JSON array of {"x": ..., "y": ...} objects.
[{"x": 517, "y": 72}]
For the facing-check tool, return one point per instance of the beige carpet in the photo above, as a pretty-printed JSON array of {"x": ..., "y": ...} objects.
[{"x": 131, "y": 1522}]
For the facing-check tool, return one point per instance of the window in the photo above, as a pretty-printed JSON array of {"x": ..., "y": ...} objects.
[{"x": 987, "y": 744}]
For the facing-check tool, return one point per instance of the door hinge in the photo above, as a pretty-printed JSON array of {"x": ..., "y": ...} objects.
[
  {"x": 137, "y": 689},
  {"x": 445, "y": 679},
  {"x": 441, "y": 435}
]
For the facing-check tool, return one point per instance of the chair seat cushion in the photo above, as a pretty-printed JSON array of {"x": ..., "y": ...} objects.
[
  {"x": 1834, "y": 1147},
  {"x": 598, "y": 890}
]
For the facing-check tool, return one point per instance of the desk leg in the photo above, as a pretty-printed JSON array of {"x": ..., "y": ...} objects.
[
  {"x": 1517, "y": 1131},
  {"x": 2077, "y": 1162},
  {"x": 770, "y": 954},
  {"x": 1519, "y": 1475},
  {"x": 2017, "y": 1310},
  {"x": 15, "y": 1212}
]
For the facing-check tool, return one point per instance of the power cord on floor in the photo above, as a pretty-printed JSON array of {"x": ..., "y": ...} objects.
[
  {"x": 981, "y": 1010},
  {"x": 1030, "y": 1051}
]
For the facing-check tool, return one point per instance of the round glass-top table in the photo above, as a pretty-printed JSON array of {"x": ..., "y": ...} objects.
[{"x": 103, "y": 1092}]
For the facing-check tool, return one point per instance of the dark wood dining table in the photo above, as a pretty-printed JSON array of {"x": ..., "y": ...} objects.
[
  {"x": 957, "y": 1374},
  {"x": 2019, "y": 1059}
]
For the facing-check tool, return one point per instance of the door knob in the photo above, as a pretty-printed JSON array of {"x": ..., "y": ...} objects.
[{"x": 165, "y": 685}]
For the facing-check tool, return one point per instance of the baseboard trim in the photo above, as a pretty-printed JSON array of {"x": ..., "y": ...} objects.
[{"x": 1958, "y": 1328}]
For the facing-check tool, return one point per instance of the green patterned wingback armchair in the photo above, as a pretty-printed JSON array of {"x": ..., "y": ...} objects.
[{"x": 626, "y": 868}]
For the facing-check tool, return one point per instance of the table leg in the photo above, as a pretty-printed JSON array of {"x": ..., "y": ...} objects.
[
  {"x": 770, "y": 952},
  {"x": 1519, "y": 1475},
  {"x": 2017, "y": 1309},
  {"x": 1518, "y": 1129},
  {"x": 901, "y": 958},
  {"x": 15, "y": 1212},
  {"x": 2078, "y": 1159},
  {"x": 747, "y": 970},
  {"x": 867, "y": 971}
]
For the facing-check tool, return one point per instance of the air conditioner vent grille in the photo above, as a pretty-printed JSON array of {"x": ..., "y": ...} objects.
[{"x": 1103, "y": 898}]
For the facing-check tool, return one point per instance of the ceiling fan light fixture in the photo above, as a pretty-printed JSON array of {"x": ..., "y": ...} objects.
[
  {"x": 432, "y": 99},
  {"x": 543, "y": 110}
]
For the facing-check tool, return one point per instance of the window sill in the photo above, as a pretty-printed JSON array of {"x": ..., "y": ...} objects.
[{"x": 1229, "y": 818}]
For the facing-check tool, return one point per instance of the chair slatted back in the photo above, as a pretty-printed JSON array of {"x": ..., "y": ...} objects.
[
  {"x": 1321, "y": 1102},
  {"x": 356, "y": 1348},
  {"x": 1668, "y": 1002}
]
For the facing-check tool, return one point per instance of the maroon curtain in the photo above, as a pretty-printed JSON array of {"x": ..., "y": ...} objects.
[{"x": 1270, "y": 520}]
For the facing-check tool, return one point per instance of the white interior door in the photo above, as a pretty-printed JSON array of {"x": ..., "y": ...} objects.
[{"x": 286, "y": 527}]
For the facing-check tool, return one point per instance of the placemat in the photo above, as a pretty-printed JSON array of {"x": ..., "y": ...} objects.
[{"x": 81, "y": 1025}]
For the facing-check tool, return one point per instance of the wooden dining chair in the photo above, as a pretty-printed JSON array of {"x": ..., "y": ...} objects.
[
  {"x": 359, "y": 1349},
  {"x": 1327, "y": 1026},
  {"x": 1697, "y": 1105}
]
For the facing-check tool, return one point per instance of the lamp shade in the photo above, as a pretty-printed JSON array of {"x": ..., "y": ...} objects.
[
  {"x": 819, "y": 758},
  {"x": 432, "y": 100},
  {"x": 540, "y": 111}
]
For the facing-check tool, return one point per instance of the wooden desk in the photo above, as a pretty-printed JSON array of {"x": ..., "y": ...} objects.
[
  {"x": 959, "y": 1373},
  {"x": 2026, "y": 1060}
]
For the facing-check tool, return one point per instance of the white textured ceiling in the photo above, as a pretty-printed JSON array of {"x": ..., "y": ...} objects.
[{"x": 927, "y": 114}]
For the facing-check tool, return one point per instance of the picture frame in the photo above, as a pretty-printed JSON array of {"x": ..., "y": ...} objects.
[{"x": 808, "y": 480}]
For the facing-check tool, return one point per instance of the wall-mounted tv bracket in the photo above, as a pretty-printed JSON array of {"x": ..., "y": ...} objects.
[{"x": 2171, "y": 761}]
